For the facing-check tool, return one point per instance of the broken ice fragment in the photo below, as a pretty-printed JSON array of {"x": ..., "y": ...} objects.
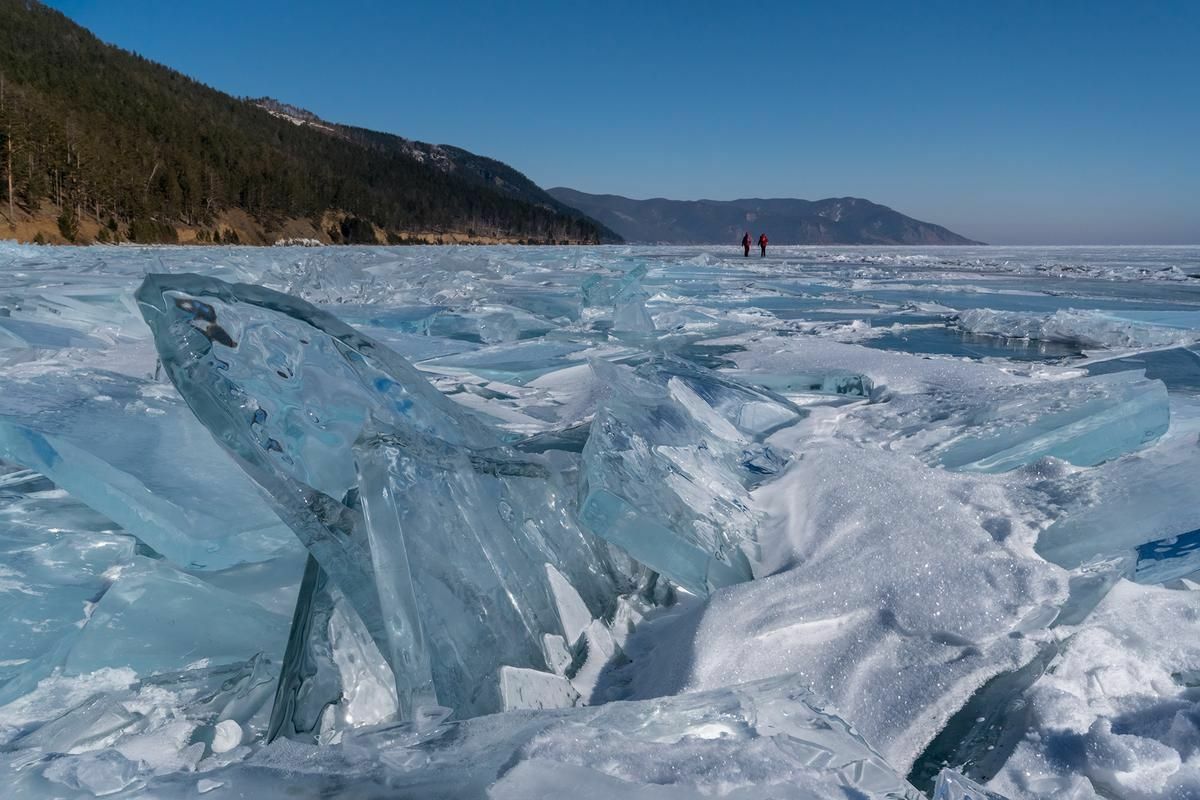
[
  {"x": 661, "y": 481},
  {"x": 147, "y": 621},
  {"x": 529, "y": 688},
  {"x": 135, "y": 453},
  {"x": 1129, "y": 503},
  {"x": 629, "y": 311},
  {"x": 27, "y": 333},
  {"x": 465, "y": 545},
  {"x": 512, "y": 363},
  {"x": 89, "y": 726},
  {"x": 1087, "y": 328},
  {"x": 101, "y": 773},
  {"x": 489, "y": 324},
  {"x": 1085, "y": 421},
  {"x": 755, "y": 413}
]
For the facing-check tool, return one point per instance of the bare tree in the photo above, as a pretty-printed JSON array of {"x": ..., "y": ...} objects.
[{"x": 8, "y": 169}]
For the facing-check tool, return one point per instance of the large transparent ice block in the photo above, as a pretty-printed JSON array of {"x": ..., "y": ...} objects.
[
  {"x": 289, "y": 390},
  {"x": 661, "y": 480}
]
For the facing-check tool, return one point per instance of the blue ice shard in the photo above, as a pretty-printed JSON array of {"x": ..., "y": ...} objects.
[
  {"x": 756, "y": 413},
  {"x": 489, "y": 324},
  {"x": 148, "y": 620},
  {"x": 1085, "y": 421},
  {"x": 512, "y": 363},
  {"x": 131, "y": 450},
  {"x": 598, "y": 291},
  {"x": 58, "y": 557},
  {"x": 20, "y": 333},
  {"x": 626, "y": 297},
  {"x": 629, "y": 310},
  {"x": 436, "y": 534},
  {"x": 662, "y": 477},
  {"x": 1130, "y": 509}
]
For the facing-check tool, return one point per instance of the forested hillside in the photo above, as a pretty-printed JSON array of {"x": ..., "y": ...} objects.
[{"x": 113, "y": 146}]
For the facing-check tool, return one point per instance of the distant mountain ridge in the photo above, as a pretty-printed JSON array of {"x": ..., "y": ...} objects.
[
  {"x": 98, "y": 143},
  {"x": 836, "y": 220}
]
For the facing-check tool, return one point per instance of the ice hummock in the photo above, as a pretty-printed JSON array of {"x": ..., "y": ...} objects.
[
  {"x": 412, "y": 506},
  {"x": 947, "y": 555}
]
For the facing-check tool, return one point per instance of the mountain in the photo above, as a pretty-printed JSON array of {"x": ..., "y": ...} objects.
[
  {"x": 445, "y": 158},
  {"x": 100, "y": 143},
  {"x": 840, "y": 220}
]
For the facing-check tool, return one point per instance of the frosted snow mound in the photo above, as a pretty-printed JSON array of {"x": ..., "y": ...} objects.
[
  {"x": 1117, "y": 714},
  {"x": 1088, "y": 328},
  {"x": 945, "y": 595}
]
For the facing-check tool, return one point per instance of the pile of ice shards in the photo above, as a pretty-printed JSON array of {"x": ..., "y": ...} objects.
[{"x": 619, "y": 522}]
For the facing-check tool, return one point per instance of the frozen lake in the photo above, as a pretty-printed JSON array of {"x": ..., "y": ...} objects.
[{"x": 658, "y": 522}]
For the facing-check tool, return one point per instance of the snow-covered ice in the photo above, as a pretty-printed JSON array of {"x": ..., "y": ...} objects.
[{"x": 616, "y": 521}]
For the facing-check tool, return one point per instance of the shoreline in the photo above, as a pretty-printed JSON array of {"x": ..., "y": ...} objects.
[{"x": 235, "y": 227}]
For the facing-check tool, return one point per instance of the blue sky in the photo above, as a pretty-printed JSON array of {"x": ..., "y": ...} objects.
[{"x": 1012, "y": 122}]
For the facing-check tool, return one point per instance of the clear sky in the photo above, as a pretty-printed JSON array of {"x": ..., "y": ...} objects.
[{"x": 1052, "y": 122}]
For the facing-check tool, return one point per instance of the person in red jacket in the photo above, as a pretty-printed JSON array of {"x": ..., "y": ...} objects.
[
  {"x": 762, "y": 243},
  {"x": 746, "y": 243}
]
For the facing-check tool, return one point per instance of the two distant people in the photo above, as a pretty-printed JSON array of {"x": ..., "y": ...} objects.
[{"x": 762, "y": 244}]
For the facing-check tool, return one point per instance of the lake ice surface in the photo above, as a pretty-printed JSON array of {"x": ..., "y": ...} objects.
[{"x": 617, "y": 521}]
